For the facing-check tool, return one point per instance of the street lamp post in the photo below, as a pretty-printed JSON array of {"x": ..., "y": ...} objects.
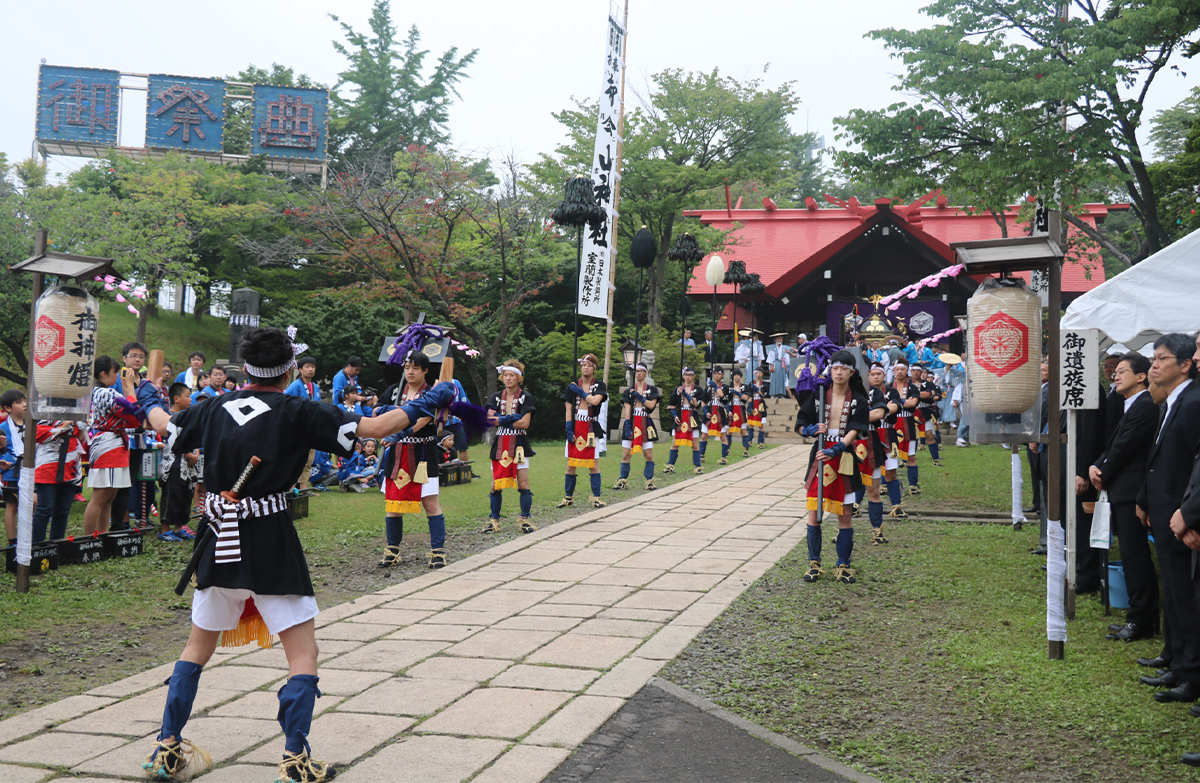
[{"x": 714, "y": 274}]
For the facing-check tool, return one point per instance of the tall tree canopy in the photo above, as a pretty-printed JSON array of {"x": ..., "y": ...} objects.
[
  {"x": 1014, "y": 96},
  {"x": 384, "y": 96},
  {"x": 687, "y": 137}
]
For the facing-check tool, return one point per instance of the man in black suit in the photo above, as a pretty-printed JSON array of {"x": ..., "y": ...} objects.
[
  {"x": 1168, "y": 471},
  {"x": 1121, "y": 470},
  {"x": 709, "y": 347}
]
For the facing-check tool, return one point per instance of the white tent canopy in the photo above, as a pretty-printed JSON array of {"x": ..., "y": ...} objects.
[{"x": 1151, "y": 299}]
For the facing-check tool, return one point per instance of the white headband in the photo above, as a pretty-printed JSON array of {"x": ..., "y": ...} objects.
[
  {"x": 275, "y": 372},
  {"x": 842, "y": 364},
  {"x": 509, "y": 368}
]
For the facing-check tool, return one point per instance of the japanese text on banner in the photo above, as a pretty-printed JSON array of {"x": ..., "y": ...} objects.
[
  {"x": 1080, "y": 369},
  {"x": 599, "y": 242}
]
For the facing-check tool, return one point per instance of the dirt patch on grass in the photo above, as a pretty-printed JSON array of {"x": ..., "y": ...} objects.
[{"x": 66, "y": 661}]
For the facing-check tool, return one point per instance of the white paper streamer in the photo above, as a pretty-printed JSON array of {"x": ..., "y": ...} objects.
[
  {"x": 25, "y": 511},
  {"x": 1018, "y": 515},
  {"x": 1056, "y": 574}
]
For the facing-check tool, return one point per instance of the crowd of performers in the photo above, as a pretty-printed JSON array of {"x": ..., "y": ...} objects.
[{"x": 862, "y": 435}]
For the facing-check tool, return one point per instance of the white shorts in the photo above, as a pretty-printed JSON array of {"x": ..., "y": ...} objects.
[
  {"x": 912, "y": 447},
  {"x": 646, "y": 445},
  {"x": 109, "y": 478},
  {"x": 220, "y": 609}
]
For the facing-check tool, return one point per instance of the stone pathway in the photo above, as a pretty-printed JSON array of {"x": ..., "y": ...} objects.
[{"x": 493, "y": 669}]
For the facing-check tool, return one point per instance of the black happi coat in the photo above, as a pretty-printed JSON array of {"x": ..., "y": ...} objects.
[
  {"x": 597, "y": 387},
  {"x": 280, "y": 430},
  {"x": 908, "y": 422},
  {"x": 858, "y": 419},
  {"x": 426, "y": 451},
  {"x": 677, "y": 402},
  {"x": 879, "y": 399},
  {"x": 524, "y": 405}
]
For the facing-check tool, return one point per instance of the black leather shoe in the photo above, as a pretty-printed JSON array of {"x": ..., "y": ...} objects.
[
  {"x": 1192, "y": 759},
  {"x": 1195, "y": 710},
  {"x": 1041, "y": 550},
  {"x": 1131, "y": 632},
  {"x": 1031, "y": 510},
  {"x": 1157, "y": 662},
  {"x": 1184, "y": 691},
  {"x": 1168, "y": 680}
]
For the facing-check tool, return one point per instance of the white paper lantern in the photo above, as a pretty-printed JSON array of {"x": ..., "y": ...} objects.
[
  {"x": 64, "y": 343},
  {"x": 1004, "y": 353}
]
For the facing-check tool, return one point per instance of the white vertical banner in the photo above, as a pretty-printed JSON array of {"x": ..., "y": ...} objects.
[{"x": 600, "y": 242}]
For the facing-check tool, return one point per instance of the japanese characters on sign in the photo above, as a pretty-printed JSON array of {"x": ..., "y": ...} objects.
[
  {"x": 599, "y": 244},
  {"x": 1080, "y": 369},
  {"x": 77, "y": 104},
  {"x": 185, "y": 113},
  {"x": 289, "y": 122}
]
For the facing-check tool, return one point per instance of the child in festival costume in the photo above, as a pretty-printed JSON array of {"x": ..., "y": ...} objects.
[
  {"x": 737, "y": 406},
  {"x": 510, "y": 448},
  {"x": 832, "y": 461},
  {"x": 930, "y": 395},
  {"x": 756, "y": 410},
  {"x": 879, "y": 452},
  {"x": 718, "y": 415},
  {"x": 906, "y": 395},
  {"x": 111, "y": 418},
  {"x": 638, "y": 432},
  {"x": 258, "y": 554},
  {"x": 686, "y": 406},
  {"x": 410, "y": 466},
  {"x": 582, "y": 399}
]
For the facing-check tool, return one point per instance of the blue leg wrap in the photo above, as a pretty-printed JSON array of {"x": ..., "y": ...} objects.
[
  {"x": 394, "y": 528},
  {"x": 569, "y": 485},
  {"x": 893, "y": 488},
  {"x": 672, "y": 455},
  {"x": 648, "y": 471},
  {"x": 814, "y": 542},
  {"x": 845, "y": 545},
  {"x": 703, "y": 446},
  {"x": 875, "y": 513},
  {"x": 624, "y": 470},
  {"x": 933, "y": 450},
  {"x": 595, "y": 485},
  {"x": 495, "y": 498},
  {"x": 697, "y": 456},
  {"x": 181, "y": 693},
  {"x": 860, "y": 494},
  {"x": 526, "y": 502},
  {"x": 437, "y": 531},
  {"x": 724, "y": 450},
  {"x": 297, "y": 698},
  {"x": 913, "y": 475}
]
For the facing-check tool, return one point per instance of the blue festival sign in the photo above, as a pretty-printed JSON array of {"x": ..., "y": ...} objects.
[
  {"x": 185, "y": 113},
  {"x": 290, "y": 122},
  {"x": 78, "y": 104}
]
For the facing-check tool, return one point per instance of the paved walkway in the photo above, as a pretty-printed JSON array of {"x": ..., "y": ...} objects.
[{"x": 493, "y": 669}]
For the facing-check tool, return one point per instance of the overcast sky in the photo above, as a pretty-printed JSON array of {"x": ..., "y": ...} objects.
[{"x": 534, "y": 55}]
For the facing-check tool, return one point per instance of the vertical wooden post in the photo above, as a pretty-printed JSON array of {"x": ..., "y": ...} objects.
[{"x": 25, "y": 499}]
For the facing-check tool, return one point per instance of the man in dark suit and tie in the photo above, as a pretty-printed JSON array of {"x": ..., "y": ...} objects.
[
  {"x": 709, "y": 347},
  {"x": 1168, "y": 471},
  {"x": 1121, "y": 470}
]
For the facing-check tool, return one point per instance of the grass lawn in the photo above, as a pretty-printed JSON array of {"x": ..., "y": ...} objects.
[
  {"x": 82, "y": 626},
  {"x": 933, "y": 666}
]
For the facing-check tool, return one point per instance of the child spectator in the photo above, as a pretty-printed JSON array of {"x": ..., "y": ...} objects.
[
  {"x": 178, "y": 476},
  {"x": 191, "y": 376},
  {"x": 57, "y": 464},
  {"x": 111, "y": 417},
  {"x": 216, "y": 384},
  {"x": 361, "y": 474},
  {"x": 322, "y": 472},
  {"x": 13, "y": 403}
]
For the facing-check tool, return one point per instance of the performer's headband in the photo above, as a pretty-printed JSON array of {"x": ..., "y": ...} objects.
[
  {"x": 275, "y": 372},
  {"x": 587, "y": 357},
  {"x": 641, "y": 366},
  {"x": 900, "y": 364},
  {"x": 688, "y": 371},
  {"x": 842, "y": 364},
  {"x": 509, "y": 368}
]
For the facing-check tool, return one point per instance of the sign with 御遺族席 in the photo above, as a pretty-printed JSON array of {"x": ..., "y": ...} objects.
[{"x": 1079, "y": 368}]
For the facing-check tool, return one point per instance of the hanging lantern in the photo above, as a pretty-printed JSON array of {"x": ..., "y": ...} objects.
[
  {"x": 65, "y": 323},
  {"x": 1004, "y": 340}
]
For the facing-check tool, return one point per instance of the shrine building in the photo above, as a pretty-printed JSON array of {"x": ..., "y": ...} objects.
[{"x": 819, "y": 265}]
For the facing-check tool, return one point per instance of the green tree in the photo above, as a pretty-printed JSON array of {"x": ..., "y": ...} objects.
[
  {"x": 691, "y": 134},
  {"x": 1169, "y": 128},
  {"x": 1177, "y": 179},
  {"x": 1014, "y": 96},
  {"x": 384, "y": 96}
]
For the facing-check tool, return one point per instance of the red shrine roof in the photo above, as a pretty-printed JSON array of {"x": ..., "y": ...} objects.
[{"x": 784, "y": 245}]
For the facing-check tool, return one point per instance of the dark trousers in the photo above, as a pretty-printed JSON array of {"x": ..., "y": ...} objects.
[
  {"x": 177, "y": 502},
  {"x": 1089, "y": 565},
  {"x": 1035, "y": 470},
  {"x": 1140, "y": 578},
  {"x": 1181, "y": 629},
  {"x": 53, "y": 508}
]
